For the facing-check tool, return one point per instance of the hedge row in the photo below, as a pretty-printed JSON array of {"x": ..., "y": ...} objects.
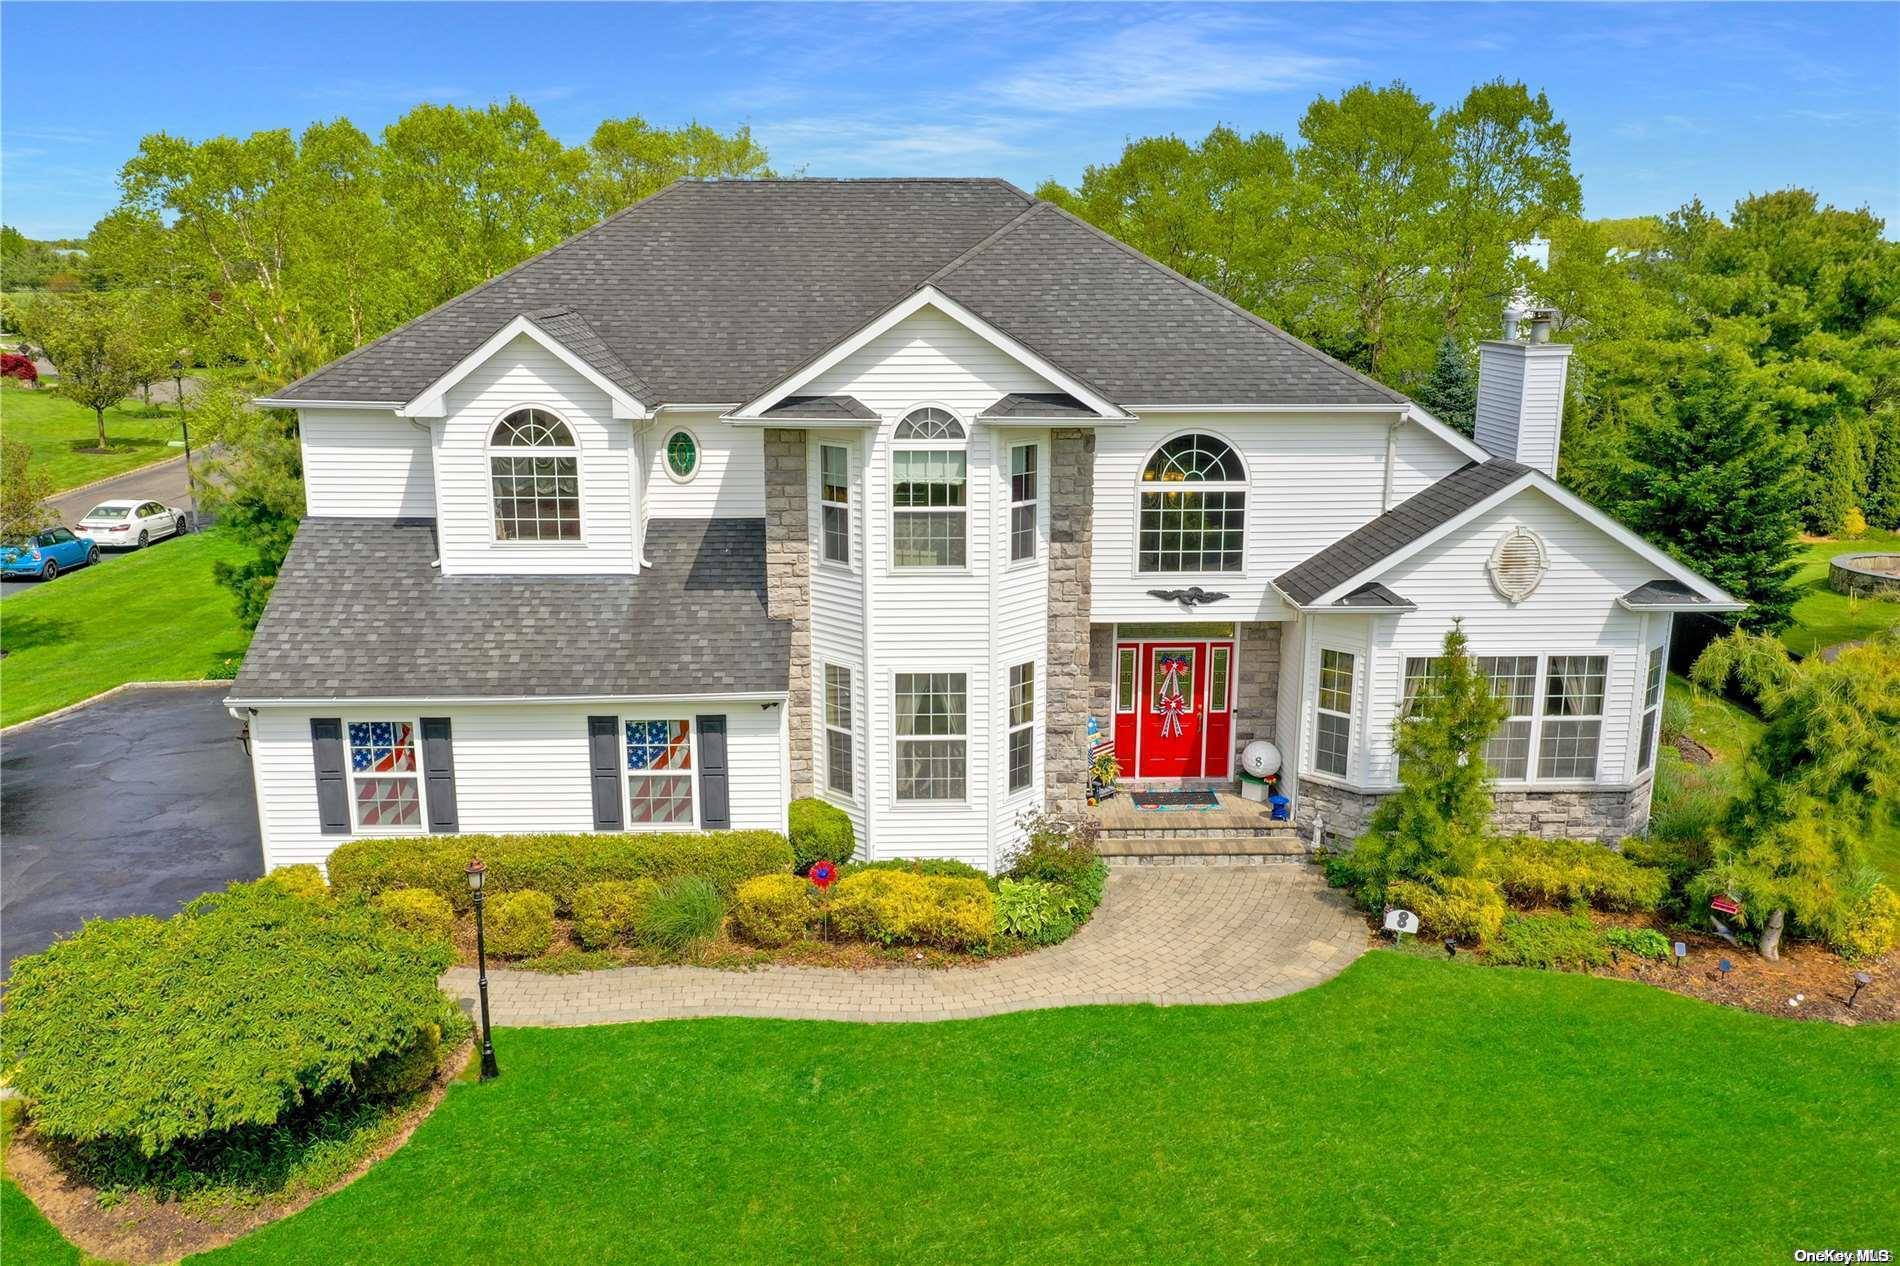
[{"x": 559, "y": 865}]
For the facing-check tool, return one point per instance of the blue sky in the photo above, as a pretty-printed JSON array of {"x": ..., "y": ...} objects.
[{"x": 1664, "y": 103}]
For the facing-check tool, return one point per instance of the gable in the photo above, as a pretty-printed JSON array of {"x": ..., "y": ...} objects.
[{"x": 928, "y": 357}]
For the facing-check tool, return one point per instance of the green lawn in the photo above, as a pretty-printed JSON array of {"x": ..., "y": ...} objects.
[
  {"x": 1823, "y": 617},
  {"x": 156, "y": 616},
  {"x": 1412, "y": 1109},
  {"x": 62, "y": 435}
]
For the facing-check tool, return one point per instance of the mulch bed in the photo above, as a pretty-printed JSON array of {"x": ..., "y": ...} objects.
[{"x": 142, "y": 1231}]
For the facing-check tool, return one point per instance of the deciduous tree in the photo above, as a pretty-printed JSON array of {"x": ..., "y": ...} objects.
[
  {"x": 90, "y": 340},
  {"x": 23, "y": 492}
]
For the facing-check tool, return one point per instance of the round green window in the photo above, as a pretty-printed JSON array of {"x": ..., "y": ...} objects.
[{"x": 682, "y": 455}]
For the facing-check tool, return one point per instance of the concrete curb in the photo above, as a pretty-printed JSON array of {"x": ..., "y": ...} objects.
[{"x": 71, "y": 708}]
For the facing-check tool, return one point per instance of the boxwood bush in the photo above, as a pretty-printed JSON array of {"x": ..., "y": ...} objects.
[
  {"x": 418, "y": 910},
  {"x": 820, "y": 831},
  {"x": 151, "y": 1033},
  {"x": 558, "y": 865},
  {"x": 519, "y": 924},
  {"x": 610, "y": 912}
]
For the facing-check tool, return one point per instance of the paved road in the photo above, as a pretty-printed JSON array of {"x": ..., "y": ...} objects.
[
  {"x": 162, "y": 481},
  {"x": 133, "y": 805}
]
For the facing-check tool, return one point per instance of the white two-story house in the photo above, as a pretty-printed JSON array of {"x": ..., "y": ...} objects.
[{"x": 879, "y": 491}]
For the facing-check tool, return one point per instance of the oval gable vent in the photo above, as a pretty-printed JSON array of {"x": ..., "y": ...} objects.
[{"x": 1518, "y": 565}]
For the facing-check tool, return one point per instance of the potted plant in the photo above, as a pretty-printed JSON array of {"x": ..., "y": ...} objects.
[{"x": 1103, "y": 771}]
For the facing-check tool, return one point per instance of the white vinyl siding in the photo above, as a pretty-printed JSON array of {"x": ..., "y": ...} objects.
[
  {"x": 729, "y": 482},
  {"x": 367, "y": 465},
  {"x": 519, "y": 767}
]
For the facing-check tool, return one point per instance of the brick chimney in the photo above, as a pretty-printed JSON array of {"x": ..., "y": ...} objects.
[{"x": 1520, "y": 412}]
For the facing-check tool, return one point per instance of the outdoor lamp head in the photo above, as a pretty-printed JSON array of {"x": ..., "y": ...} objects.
[{"x": 476, "y": 873}]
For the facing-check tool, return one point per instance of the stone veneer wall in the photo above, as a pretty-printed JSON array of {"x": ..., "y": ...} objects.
[
  {"x": 1606, "y": 816},
  {"x": 788, "y": 583},
  {"x": 1256, "y": 686},
  {"x": 1102, "y": 673},
  {"x": 1069, "y": 689}
]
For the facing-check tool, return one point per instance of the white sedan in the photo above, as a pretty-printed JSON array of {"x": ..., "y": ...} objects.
[{"x": 131, "y": 524}]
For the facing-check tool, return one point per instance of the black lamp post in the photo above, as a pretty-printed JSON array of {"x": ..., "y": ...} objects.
[
  {"x": 1861, "y": 981},
  {"x": 476, "y": 873}
]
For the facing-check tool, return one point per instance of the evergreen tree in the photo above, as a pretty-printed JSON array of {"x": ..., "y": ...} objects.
[
  {"x": 1432, "y": 826},
  {"x": 1712, "y": 479},
  {"x": 1450, "y": 394},
  {"x": 1883, "y": 484}
]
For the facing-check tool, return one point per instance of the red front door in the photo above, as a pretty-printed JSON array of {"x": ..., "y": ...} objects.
[{"x": 1180, "y": 722}]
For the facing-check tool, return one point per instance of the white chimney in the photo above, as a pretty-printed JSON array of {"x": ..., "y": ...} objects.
[{"x": 1520, "y": 412}]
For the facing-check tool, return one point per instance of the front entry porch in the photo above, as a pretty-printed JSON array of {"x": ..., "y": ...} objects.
[{"x": 1174, "y": 709}]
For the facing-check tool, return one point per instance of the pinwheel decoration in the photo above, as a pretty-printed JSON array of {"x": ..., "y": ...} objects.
[
  {"x": 823, "y": 874},
  {"x": 1172, "y": 703}
]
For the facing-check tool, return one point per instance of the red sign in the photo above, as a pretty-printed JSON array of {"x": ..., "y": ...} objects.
[{"x": 1725, "y": 904}]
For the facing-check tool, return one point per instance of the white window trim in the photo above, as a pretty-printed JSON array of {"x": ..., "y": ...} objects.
[
  {"x": 1646, "y": 759},
  {"x": 1034, "y": 503},
  {"x": 1358, "y": 659},
  {"x": 1011, "y": 728},
  {"x": 1245, "y": 485},
  {"x": 666, "y": 460},
  {"x": 899, "y": 803},
  {"x": 626, "y": 790},
  {"x": 966, "y": 567},
  {"x": 491, "y": 450},
  {"x": 422, "y": 787},
  {"x": 850, "y": 731},
  {"x": 851, "y": 544},
  {"x": 1133, "y": 652},
  {"x": 1531, "y": 781}
]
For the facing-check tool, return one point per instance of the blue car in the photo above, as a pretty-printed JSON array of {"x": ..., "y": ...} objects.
[{"x": 46, "y": 554}]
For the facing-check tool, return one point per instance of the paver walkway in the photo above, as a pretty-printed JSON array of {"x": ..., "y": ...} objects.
[{"x": 1166, "y": 935}]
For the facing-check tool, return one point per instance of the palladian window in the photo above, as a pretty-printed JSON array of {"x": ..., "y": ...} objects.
[
  {"x": 1193, "y": 507},
  {"x": 534, "y": 473}
]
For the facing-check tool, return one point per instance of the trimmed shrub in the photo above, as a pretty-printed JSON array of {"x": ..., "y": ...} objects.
[
  {"x": 610, "y": 912},
  {"x": 418, "y": 910},
  {"x": 941, "y": 867},
  {"x": 1548, "y": 941},
  {"x": 559, "y": 865},
  {"x": 1562, "y": 872},
  {"x": 1642, "y": 942},
  {"x": 774, "y": 910},
  {"x": 303, "y": 880},
  {"x": 893, "y": 906},
  {"x": 820, "y": 831},
  {"x": 149, "y": 1033},
  {"x": 685, "y": 911},
  {"x": 519, "y": 924},
  {"x": 1471, "y": 910},
  {"x": 400, "y": 1072},
  {"x": 1869, "y": 923}
]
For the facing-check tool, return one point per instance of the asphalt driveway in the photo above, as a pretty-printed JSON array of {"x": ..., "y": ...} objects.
[{"x": 132, "y": 805}]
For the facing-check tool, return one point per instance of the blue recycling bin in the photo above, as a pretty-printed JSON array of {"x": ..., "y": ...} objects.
[{"x": 1279, "y": 808}]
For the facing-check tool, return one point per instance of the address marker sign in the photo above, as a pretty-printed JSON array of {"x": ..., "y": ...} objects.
[{"x": 1400, "y": 922}]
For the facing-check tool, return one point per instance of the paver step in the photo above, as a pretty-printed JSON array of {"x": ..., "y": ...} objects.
[
  {"x": 1190, "y": 850},
  {"x": 1188, "y": 829}
]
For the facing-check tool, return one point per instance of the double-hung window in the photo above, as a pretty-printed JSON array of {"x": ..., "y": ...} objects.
[
  {"x": 930, "y": 517},
  {"x": 1332, "y": 729},
  {"x": 384, "y": 776},
  {"x": 1652, "y": 709},
  {"x": 659, "y": 773},
  {"x": 1022, "y": 503},
  {"x": 834, "y": 503},
  {"x": 1514, "y": 682},
  {"x": 838, "y": 746},
  {"x": 932, "y": 735},
  {"x": 1573, "y": 717},
  {"x": 1022, "y": 726}
]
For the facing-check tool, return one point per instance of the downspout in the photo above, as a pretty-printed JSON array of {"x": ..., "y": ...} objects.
[{"x": 1391, "y": 456}]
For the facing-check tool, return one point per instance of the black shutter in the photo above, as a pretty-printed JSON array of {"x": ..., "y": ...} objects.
[
  {"x": 438, "y": 762},
  {"x": 603, "y": 744},
  {"x": 715, "y": 786},
  {"x": 333, "y": 792}
]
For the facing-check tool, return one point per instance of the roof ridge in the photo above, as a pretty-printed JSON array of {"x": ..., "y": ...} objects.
[
  {"x": 640, "y": 387},
  {"x": 983, "y": 243},
  {"x": 479, "y": 288},
  {"x": 1224, "y": 301},
  {"x": 859, "y": 180}
]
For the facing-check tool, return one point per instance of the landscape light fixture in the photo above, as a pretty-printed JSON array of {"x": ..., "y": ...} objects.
[
  {"x": 476, "y": 874},
  {"x": 1861, "y": 981},
  {"x": 1682, "y": 952},
  {"x": 1451, "y": 947},
  {"x": 1726, "y": 968}
]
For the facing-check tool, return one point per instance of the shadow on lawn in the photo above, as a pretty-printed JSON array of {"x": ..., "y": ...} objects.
[{"x": 24, "y": 632}]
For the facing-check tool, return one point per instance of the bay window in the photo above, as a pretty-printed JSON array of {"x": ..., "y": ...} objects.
[
  {"x": 1652, "y": 708},
  {"x": 932, "y": 711},
  {"x": 1022, "y": 726},
  {"x": 834, "y": 501},
  {"x": 838, "y": 742},
  {"x": 1332, "y": 725}
]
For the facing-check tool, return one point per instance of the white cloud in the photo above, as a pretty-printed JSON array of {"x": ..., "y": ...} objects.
[
  {"x": 848, "y": 144},
  {"x": 1162, "y": 63}
]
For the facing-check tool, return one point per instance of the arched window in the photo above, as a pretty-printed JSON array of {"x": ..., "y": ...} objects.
[
  {"x": 930, "y": 518},
  {"x": 1193, "y": 507},
  {"x": 534, "y": 472}
]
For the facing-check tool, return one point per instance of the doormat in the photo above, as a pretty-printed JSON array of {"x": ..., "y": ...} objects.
[{"x": 1198, "y": 799}]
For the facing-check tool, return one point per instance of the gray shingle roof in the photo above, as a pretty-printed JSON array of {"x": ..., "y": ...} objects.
[
  {"x": 1374, "y": 597},
  {"x": 1665, "y": 593},
  {"x": 710, "y": 292},
  {"x": 571, "y": 330},
  {"x": 820, "y": 409},
  {"x": 1039, "y": 404},
  {"x": 692, "y": 624},
  {"x": 1354, "y": 554}
]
